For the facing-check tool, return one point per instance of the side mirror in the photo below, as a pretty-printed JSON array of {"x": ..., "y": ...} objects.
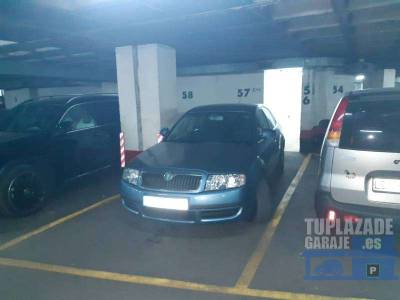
[
  {"x": 163, "y": 134},
  {"x": 266, "y": 134},
  {"x": 64, "y": 127}
]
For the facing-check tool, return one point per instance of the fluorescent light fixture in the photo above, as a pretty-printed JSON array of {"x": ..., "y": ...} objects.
[
  {"x": 82, "y": 54},
  {"x": 46, "y": 49},
  {"x": 18, "y": 53},
  {"x": 55, "y": 57},
  {"x": 32, "y": 60},
  {"x": 37, "y": 41},
  {"x": 360, "y": 77},
  {"x": 6, "y": 43}
]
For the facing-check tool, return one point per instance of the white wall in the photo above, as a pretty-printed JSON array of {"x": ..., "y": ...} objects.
[
  {"x": 322, "y": 89},
  {"x": 68, "y": 90},
  {"x": 15, "y": 97},
  {"x": 201, "y": 90}
]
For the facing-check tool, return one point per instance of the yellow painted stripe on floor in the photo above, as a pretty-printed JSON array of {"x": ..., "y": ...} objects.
[
  {"x": 254, "y": 262},
  {"x": 44, "y": 228},
  {"x": 160, "y": 282}
]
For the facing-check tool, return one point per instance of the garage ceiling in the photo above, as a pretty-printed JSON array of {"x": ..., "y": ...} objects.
[{"x": 72, "y": 35}]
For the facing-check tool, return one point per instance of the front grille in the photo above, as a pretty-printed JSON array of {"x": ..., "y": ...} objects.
[{"x": 179, "y": 182}]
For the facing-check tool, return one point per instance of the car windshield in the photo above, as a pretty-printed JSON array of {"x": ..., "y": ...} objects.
[
  {"x": 219, "y": 127},
  {"x": 32, "y": 116}
]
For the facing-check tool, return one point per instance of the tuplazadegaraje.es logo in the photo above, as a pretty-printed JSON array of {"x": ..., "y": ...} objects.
[
  {"x": 355, "y": 249},
  {"x": 323, "y": 234}
]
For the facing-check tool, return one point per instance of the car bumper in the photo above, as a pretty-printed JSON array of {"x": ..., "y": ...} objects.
[
  {"x": 204, "y": 207},
  {"x": 324, "y": 202}
]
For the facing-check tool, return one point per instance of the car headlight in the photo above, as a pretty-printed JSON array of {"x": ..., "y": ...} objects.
[
  {"x": 227, "y": 181},
  {"x": 131, "y": 176}
]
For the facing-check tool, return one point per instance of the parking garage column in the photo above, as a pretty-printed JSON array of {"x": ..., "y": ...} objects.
[
  {"x": 146, "y": 77},
  {"x": 389, "y": 78}
]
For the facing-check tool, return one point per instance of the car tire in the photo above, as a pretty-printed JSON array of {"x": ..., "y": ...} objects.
[
  {"x": 264, "y": 205},
  {"x": 22, "y": 192}
]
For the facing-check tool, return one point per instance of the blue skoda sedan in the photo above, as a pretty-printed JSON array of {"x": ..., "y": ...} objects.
[{"x": 215, "y": 164}]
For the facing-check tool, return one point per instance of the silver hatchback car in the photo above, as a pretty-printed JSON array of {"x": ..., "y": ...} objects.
[{"x": 359, "y": 172}]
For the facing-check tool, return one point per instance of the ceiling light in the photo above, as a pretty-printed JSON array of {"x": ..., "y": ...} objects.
[
  {"x": 45, "y": 49},
  {"x": 6, "y": 43},
  {"x": 82, "y": 54},
  {"x": 360, "y": 77},
  {"x": 18, "y": 53},
  {"x": 55, "y": 57},
  {"x": 32, "y": 60}
]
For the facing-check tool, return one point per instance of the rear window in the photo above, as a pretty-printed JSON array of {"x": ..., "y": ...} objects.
[{"x": 372, "y": 126}]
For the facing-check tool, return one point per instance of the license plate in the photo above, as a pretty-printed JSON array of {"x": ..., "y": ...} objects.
[
  {"x": 386, "y": 185},
  {"x": 166, "y": 203}
]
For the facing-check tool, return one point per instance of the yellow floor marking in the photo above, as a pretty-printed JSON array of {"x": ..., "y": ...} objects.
[
  {"x": 160, "y": 282},
  {"x": 252, "y": 265},
  {"x": 44, "y": 228}
]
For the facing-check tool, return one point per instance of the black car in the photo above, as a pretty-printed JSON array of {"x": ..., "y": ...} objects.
[
  {"x": 216, "y": 164},
  {"x": 46, "y": 141}
]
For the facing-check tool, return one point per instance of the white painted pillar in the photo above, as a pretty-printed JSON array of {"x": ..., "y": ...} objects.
[
  {"x": 147, "y": 92},
  {"x": 389, "y": 78},
  {"x": 127, "y": 75},
  {"x": 157, "y": 85},
  {"x": 283, "y": 96}
]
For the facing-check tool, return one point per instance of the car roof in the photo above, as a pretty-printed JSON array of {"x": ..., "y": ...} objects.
[
  {"x": 72, "y": 99},
  {"x": 230, "y": 107},
  {"x": 380, "y": 92}
]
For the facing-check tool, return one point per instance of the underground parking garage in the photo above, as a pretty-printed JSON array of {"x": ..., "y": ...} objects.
[{"x": 233, "y": 149}]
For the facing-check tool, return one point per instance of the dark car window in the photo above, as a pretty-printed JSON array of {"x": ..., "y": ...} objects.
[
  {"x": 270, "y": 117},
  {"x": 32, "y": 116},
  {"x": 81, "y": 117},
  {"x": 221, "y": 127},
  {"x": 104, "y": 112},
  {"x": 262, "y": 121},
  {"x": 372, "y": 126}
]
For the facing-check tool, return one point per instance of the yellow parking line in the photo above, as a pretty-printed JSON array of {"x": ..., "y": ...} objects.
[
  {"x": 160, "y": 282},
  {"x": 43, "y": 228},
  {"x": 252, "y": 265}
]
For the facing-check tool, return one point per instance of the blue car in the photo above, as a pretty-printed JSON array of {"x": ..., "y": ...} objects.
[{"x": 216, "y": 164}]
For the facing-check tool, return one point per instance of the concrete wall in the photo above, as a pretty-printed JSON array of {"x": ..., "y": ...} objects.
[
  {"x": 68, "y": 90},
  {"x": 201, "y": 90},
  {"x": 15, "y": 97},
  {"x": 322, "y": 89}
]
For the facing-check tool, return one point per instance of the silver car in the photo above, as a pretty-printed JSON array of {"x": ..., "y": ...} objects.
[{"x": 359, "y": 173}]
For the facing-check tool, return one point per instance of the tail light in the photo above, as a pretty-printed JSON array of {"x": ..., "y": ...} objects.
[
  {"x": 331, "y": 215},
  {"x": 160, "y": 138},
  {"x": 336, "y": 125}
]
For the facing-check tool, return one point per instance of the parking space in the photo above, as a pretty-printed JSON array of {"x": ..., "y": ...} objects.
[
  {"x": 110, "y": 238},
  {"x": 108, "y": 251}
]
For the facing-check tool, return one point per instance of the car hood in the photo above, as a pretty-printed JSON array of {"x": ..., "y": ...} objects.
[{"x": 208, "y": 157}]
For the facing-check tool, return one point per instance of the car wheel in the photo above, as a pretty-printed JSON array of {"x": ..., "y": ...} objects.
[
  {"x": 264, "y": 206},
  {"x": 22, "y": 192}
]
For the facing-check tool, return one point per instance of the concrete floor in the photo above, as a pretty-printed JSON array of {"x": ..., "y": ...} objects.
[{"x": 109, "y": 238}]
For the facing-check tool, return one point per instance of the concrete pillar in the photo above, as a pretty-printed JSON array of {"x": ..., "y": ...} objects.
[
  {"x": 389, "y": 78},
  {"x": 146, "y": 77}
]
